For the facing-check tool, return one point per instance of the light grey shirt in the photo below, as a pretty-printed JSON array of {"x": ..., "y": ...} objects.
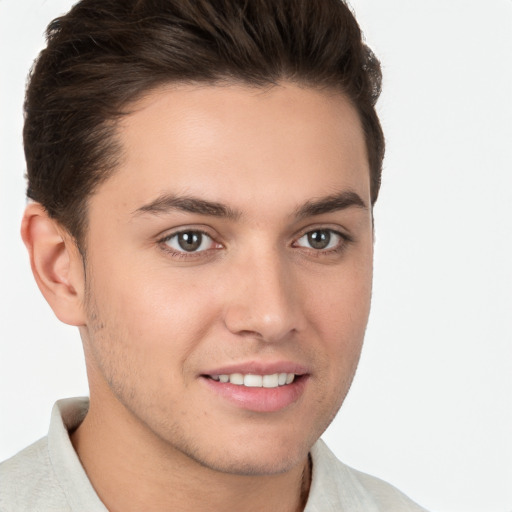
[{"x": 48, "y": 477}]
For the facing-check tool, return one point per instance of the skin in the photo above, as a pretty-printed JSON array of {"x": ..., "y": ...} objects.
[{"x": 154, "y": 318}]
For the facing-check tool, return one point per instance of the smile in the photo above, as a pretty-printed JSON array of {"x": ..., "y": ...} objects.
[
  {"x": 255, "y": 381},
  {"x": 257, "y": 392}
]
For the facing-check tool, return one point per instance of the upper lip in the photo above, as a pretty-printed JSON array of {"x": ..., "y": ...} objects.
[{"x": 259, "y": 368}]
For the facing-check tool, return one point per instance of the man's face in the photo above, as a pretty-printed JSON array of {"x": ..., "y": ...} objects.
[{"x": 233, "y": 243}]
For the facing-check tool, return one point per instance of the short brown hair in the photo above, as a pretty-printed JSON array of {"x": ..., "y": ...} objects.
[{"x": 104, "y": 54}]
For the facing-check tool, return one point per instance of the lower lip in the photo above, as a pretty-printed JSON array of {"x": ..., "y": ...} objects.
[{"x": 259, "y": 399}]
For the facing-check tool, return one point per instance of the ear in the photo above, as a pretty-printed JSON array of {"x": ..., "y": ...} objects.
[{"x": 56, "y": 264}]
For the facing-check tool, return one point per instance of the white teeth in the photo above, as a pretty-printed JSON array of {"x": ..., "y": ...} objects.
[
  {"x": 271, "y": 381},
  {"x": 236, "y": 378},
  {"x": 256, "y": 381},
  {"x": 253, "y": 381}
]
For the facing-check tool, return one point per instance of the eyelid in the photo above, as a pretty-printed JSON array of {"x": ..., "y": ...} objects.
[
  {"x": 324, "y": 227},
  {"x": 345, "y": 239},
  {"x": 196, "y": 228},
  {"x": 162, "y": 241}
]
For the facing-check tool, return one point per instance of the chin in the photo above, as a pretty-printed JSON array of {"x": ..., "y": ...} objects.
[
  {"x": 270, "y": 457},
  {"x": 257, "y": 465}
]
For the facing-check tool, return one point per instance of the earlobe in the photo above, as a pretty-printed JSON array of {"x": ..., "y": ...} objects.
[{"x": 56, "y": 264}]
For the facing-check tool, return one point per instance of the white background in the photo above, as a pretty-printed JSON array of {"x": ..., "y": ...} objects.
[{"x": 431, "y": 407}]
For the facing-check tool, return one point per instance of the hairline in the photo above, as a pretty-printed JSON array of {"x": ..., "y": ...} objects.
[{"x": 131, "y": 106}]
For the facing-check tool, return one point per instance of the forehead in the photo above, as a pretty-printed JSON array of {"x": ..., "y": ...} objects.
[{"x": 236, "y": 144}]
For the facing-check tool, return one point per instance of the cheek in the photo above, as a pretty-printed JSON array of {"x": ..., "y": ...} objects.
[
  {"x": 338, "y": 313},
  {"x": 146, "y": 325},
  {"x": 144, "y": 331},
  {"x": 155, "y": 304},
  {"x": 341, "y": 305}
]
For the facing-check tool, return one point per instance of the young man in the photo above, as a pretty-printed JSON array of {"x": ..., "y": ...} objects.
[{"x": 202, "y": 176}]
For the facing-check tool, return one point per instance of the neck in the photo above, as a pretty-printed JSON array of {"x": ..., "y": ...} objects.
[{"x": 133, "y": 470}]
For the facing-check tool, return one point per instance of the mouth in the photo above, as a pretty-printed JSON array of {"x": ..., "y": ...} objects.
[
  {"x": 251, "y": 380},
  {"x": 258, "y": 390}
]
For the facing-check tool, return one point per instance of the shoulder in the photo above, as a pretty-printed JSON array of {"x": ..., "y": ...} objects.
[
  {"x": 28, "y": 482},
  {"x": 336, "y": 486}
]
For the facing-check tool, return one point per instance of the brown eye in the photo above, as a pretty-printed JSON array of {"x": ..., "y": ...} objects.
[
  {"x": 320, "y": 239},
  {"x": 189, "y": 241}
]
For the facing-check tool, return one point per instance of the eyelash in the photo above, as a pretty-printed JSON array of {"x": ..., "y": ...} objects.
[
  {"x": 344, "y": 240},
  {"x": 185, "y": 254}
]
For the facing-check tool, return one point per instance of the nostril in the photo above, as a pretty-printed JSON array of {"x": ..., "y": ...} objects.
[{"x": 267, "y": 305}]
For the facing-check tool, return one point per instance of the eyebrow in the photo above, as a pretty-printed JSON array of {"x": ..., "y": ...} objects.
[
  {"x": 169, "y": 202},
  {"x": 332, "y": 203}
]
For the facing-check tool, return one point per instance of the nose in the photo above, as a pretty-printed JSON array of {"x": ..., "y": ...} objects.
[{"x": 264, "y": 301}]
